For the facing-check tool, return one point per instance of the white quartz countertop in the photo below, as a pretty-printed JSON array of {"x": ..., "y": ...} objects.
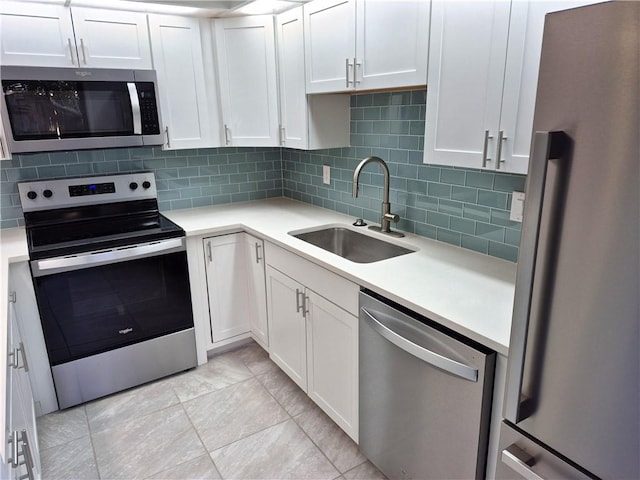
[{"x": 465, "y": 291}]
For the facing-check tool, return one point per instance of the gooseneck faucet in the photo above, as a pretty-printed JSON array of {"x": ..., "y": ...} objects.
[{"x": 387, "y": 217}]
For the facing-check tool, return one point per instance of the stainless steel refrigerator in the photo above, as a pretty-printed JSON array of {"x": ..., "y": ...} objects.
[{"x": 572, "y": 406}]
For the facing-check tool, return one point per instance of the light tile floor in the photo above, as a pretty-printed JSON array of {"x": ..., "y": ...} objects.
[{"x": 237, "y": 417}]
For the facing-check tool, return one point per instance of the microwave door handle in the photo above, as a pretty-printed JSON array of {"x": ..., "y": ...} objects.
[{"x": 135, "y": 108}]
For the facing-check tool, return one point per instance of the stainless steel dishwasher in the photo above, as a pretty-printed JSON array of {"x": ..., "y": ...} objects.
[{"x": 425, "y": 395}]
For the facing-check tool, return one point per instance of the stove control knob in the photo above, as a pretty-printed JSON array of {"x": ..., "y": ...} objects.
[
  {"x": 31, "y": 195},
  {"x": 133, "y": 185},
  {"x": 146, "y": 184},
  {"x": 47, "y": 193}
]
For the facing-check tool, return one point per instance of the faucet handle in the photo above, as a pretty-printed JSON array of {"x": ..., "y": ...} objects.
[{"x": 392, "y": 217}]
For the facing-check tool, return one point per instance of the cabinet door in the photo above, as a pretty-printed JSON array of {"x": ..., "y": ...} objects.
[
  {"x": 521, "y": 79},
  {"x": 23, "y": 417},
  {"x": 330, "y": 45},
  {"x": 36, "y": 34},
  {"x": 287, "y": 326},
  {"x": 257, "y": 290},
  {"x": 392, "y": 43},
  {"x": 246, "y": 57},
  {"x": 332, "y": 351},
  {"x": 468, "y": 47},
  {"x": 293, "y": 99},
  {"x": 111, "y": 38},
  {"x": 227, "y": 286},
  {"x": 177, "y": 59}
]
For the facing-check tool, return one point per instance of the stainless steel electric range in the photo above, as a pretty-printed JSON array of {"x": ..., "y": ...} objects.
[{"x": 111, "y": 281}]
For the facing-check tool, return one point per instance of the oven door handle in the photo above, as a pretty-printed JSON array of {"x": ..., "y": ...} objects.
[{"x": 51, "y": 266}]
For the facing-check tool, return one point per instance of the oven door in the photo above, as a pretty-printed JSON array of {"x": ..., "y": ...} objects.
[{"x": 100, "y": 301}]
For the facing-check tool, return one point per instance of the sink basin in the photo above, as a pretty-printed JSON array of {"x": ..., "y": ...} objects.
[{"x": 352, "y": 245}]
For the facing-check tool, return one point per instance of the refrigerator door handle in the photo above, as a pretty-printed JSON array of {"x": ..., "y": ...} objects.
[
  {"x": 511, "y": 457},
  {"x": 546, "y": 146}
]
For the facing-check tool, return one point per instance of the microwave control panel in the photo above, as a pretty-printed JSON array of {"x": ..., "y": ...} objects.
[{"x": 148, "y": 108}]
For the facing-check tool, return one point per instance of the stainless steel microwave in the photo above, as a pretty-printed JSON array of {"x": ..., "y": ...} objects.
[{"x": 47, "y": 109}]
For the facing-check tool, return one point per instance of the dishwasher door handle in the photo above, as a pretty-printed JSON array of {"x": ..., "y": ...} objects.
[{"x": 432, "y": 358}]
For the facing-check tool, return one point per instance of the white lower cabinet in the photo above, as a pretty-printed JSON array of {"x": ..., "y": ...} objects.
[
  {"x": 227, "y": 290},
  {"x": 256, "y": 289},
  {"x": 21, "y": 452},
  {"x": 315, "y": 340}
]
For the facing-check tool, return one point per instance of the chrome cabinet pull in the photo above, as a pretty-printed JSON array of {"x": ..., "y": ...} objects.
[
  {"x": 15, "y": 453},
  {"x": 356, "y": 64},
  {"x": 23, "y": 354},
  {"x": 166, "y": 132},
  {"x": 258, "y": 257},
  {"x": 305, "y": 306},
  {"x": 485, "y": 148},
  {"x": 227, "y": 136},
  {"x": 282, "y": 135},
  {"x": 28, "y": 457},
  {"x": 520, "y": 465},
  {"x": 14, "y": 355},
  {"x": 12, "y": 297},
  {"x": 209, "y": 254},
  {"x": 71, "y": 52},
  {"x": 84, "y": 52},
  {"x": 346, "y": 73},
  {"x": 432, "y": 358},
  {"x": 546, "y": 146},
  {"x": 299, "y": 306},
  {"x": 499, "y": 160}
]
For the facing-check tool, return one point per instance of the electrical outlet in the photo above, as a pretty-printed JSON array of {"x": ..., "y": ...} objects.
[
  {"x": 517, "y": 207},
  {"x": 326, "y": 174}
]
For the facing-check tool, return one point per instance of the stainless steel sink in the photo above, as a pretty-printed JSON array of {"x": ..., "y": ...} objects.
[{"x": 352, "y": 245}]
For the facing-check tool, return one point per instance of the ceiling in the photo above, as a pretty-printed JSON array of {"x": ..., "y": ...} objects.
[{"x": 217, "y": 8}]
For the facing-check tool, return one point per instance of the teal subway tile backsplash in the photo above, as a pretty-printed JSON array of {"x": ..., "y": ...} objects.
[
  {"x": 463, "y": 207},
  {"x": 185, "y": 178}
]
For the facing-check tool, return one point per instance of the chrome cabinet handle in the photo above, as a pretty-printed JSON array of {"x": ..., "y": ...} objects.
[
  {"x": 346, "y": 73},
  {"x": 305, "y": 306},
  {"x": 485, "y": 148},
  {"x": 12, "y": 297},
  {"x": 519, "y": 465},
  {"x": 84, "y": 52},
  {"x": 282, "y": 135},
  {"x": 227, "y": 136},
  {"x": 23, "y": 355},
  {"x": 432, "y": 358},
  {"x": 3, "y": 152},
  {"x": 15, "y": 452},
  {"x": 14, "y": 355},
  {"x": 258, "y": 257},
  {"x": 71, "y": 52},
  {"x": 546, "y": 146},
  {"x": 299, "y": 306},
  {"x": 499, "y": 160},
  {"x": 356, "y": 64},
  {"x": 28, "y": 457},
  {"x": 209, "y": 253},
  {"x": 135, "y": 108},
  {"x": 166, "y": 132}
]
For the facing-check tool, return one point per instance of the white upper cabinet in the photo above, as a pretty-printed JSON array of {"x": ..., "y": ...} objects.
[
  {"x": 35, "y": 34},
  {"x": 483, "y": 71},
  {"x": 468, "y": 47},
  {"x": 365, "y": 44},
  {"x": 392, "y": 43},
  {"x": 177, "y": 59},
  {"x": 305, "y": 122},
  {"x": 246, "y": 58},
  {"x": 111, "y": 38}
]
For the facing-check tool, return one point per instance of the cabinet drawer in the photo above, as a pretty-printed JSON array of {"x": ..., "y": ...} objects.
[{"x": 337, "y": 289}]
